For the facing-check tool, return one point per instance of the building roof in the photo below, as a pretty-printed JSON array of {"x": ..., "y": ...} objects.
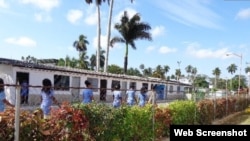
[{"x": 19, "y": 63}]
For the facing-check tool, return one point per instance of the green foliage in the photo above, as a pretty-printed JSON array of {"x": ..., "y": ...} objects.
[
  {"x": 183, "y": 112},
  {"x": 163, "y": 119},
  {"x": 205, "y": 112},
  {"x": 102, "y": 122},
  {"x": 137, "y": 123}
]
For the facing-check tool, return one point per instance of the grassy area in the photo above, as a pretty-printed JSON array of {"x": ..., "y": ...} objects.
[{"x": 240, "y": 118}]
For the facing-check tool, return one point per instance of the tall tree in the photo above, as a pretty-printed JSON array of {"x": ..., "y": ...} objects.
[
  {"x": 131, "y": 30},
  {"x": 93, "y": 59},
  {"x": 114, "y": 69},
  {"x": 98, "y": 3},
  {"x": 188, "y": 70},
  {"x": 142, "y": 67},
  {"x": 166, "y": 69},
  {"x": 147, "y": 71},
  {"x": 178, "y": 74},
  {"x": 216, "y": 73},
  {"x": 81, "y": 44},
  {"x": 247, "y": 69},
  {"x": 109, "y": 33},
  {"x": 29, "y": 59},
  {"x": 159, "y": 72},
  {"x": 83, "y": 61},
  {"x": 231, "y": 69}
]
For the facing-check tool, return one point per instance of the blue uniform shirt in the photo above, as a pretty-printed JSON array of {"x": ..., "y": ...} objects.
[
  {"x": 47, "y": 101},
  {"x": 87, "y": 95},
  {"x": 130, "y": 97},
  {"x": 2, "y": 105},
  {"x": 142, "y": 99},
  {"x": 117, "y": 98}
]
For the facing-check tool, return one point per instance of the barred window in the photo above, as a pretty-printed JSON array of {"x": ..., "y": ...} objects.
[{"x": 61, "y": 82}]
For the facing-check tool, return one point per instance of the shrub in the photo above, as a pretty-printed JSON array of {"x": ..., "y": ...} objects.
[{"x": 183, "y": 112}]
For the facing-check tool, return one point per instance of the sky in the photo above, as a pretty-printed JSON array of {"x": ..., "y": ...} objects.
[{"x": 199, "y": 33}]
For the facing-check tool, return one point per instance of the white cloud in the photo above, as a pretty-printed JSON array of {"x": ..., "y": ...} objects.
[
  {"x": 158, "y": 31},
  {"x": 150, "y": 49},
  {"x": 21, "y": 41},
  {"x": 42, "y": 17},
  {"x": 103, "y": 42},
  {"x": 3, "y": 4},
  {"x": 74, "y": 16},
  {"x": 46, "y": 5},
  {"x": 243, "y": 14},
  {"x": 195, "y": 50},
  {"x": 185, "y": 12},
  {"x": 165, "y": 50},
  {"x": 91, "y": 19}
]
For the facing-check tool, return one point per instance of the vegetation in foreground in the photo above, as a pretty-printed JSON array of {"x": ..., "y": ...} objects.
[{"x": 102, "y": 122}]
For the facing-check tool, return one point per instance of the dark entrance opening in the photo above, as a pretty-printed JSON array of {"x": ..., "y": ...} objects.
[{"x": 103, "y": 89}]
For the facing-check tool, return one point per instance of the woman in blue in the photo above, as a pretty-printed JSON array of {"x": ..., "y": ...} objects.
[
  {"x": 3, "y": 100},
  {"x": 87, "y": 95},
  {"x": 142, "y": 97},
  {"x": 130, "y": 96},
  {"x": 47, "y": 98},
  {"x": 117, "y": 96}
]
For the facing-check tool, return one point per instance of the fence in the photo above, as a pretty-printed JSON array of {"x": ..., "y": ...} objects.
[
  {"x": 66, "y": 94},
  {"x": 71, "y": 95}
]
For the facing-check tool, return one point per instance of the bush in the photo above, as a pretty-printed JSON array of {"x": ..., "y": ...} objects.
[{"x": 183, "y": 112}]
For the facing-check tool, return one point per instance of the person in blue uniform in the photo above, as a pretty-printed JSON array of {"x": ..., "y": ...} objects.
[
  {"x": 47, "y": 98},
  {"x": 3, "y": 100},
  {"x": 142, "y": 97},
  {"x": 117, "y": 96},
  {"x": 87, "y": 94},
  {"x": 130, "y": 96},
  {"x": 24, "y": 92}
]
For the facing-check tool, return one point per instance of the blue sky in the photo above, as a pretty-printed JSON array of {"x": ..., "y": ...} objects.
[{"x": 194, "y": 32}]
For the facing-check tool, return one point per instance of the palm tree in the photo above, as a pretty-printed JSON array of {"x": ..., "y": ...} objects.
[
  {"x": 178, "y": 73},
  {"x": 142, "y": 67},
  {"x": 83, "y": 61},
  {"x": 98, "y": 3},
  {"x": 216, "y": 73},
  {"x": 193, "y": 76},
  {"x": 188, "y": 70},
  {"x": 159, "y": 72},
  {"x": 109, "y": 32},
  {"x": 81, "y": 44},
  {"x": 193, "y": 72},
  {"x": 231, "y": 69},
  {"x": 247, "y": 69},
  {"x": 29, "y": 59},
  {"x": 93, "y": 59},
  {"x": 131, "y": 30},
  {"x": 61, "y": 62},
  {"x": 147, "y": 72},
  {"x": 114, "y": 69},
  {"x": 166, "y": 69}
]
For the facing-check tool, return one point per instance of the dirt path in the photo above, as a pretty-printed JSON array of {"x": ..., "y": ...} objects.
[{"x": 239, "y": 118}]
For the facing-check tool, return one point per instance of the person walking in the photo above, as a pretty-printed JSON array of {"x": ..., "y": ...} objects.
[
  {"x": 47, "y": 98},
  {"x": 3, "y": 100},
  {"x": 117, "y": 96},
  {"x": 130, "y": 96},
  {"x": 24, "y": 92},
  {"x": 142, "y": 97},
  {"x": 152, "y": 95},
  {"x": 87, "y": 94}
]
